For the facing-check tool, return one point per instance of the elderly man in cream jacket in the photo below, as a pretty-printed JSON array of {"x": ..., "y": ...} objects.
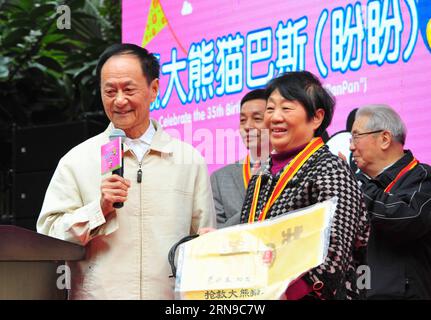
[{"x": 127, "y": 248}]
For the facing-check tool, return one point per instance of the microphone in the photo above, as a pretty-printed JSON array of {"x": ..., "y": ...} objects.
[{"x": 118, "y": 133}]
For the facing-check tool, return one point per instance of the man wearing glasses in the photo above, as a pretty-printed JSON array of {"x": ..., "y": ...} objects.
[{"x": 397, "y": 190}]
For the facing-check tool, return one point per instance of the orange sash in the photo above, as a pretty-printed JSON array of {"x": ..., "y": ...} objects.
[
  {"x": 246, "y": 171},
  {"x": 288, "y": 173},
  {"x": 407, "y": 168}
]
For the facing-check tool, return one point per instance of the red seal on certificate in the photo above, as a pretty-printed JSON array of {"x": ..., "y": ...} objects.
[{"x": 268, "y": 255}]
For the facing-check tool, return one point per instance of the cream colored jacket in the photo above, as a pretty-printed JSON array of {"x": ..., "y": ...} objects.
[{"x": 127, "y": 251}]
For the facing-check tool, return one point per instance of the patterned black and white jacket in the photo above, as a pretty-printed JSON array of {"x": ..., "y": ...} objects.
[{"x": 323, "y": 176}]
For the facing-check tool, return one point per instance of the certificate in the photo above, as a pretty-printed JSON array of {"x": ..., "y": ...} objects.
[{"x": 254, "y": 261}]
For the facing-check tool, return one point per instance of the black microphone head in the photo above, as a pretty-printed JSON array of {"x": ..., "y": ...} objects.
[{"x": 117, "y": 133}]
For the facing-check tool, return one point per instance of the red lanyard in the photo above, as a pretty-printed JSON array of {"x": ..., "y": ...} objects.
[
  {"x": 246, "y": 172},
  {"x": 407, "y": 168}
]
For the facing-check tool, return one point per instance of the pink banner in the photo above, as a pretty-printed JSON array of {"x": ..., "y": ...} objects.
[{"x": 213, "y": 52}]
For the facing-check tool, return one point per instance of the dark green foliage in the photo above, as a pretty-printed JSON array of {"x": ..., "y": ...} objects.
[{"x": 47, "y": 74}]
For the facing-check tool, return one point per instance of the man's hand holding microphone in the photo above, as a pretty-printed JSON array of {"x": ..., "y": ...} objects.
[{"x": 114, "y": 188}]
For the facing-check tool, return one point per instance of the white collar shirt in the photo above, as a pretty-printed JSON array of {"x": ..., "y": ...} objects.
[{"x": 141, "y": 145}]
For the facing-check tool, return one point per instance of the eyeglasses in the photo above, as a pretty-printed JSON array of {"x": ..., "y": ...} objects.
[{"x": 356, "y": 136}]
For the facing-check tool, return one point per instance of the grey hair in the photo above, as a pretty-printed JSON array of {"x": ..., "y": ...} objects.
[{"x": 383, "y": 117}]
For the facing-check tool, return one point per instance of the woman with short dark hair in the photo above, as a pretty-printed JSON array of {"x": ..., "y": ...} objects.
[{"x": 298, "y": 112}]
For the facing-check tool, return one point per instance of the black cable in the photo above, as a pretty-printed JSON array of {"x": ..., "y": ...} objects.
[{"x": 172, "y": 251}]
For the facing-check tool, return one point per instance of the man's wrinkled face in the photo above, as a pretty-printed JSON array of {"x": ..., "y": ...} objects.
[
  {"x": 251, "y": 123},
  {"x": 126, "y": 94},
  {"x": 365, "y": 147}
]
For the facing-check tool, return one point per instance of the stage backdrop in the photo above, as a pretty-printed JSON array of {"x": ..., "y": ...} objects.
[{"x": 213, "y": 52}]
